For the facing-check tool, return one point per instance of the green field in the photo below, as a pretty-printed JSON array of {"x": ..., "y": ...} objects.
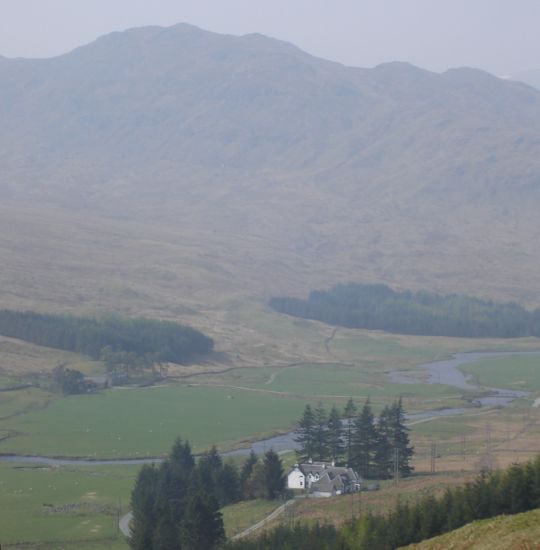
[
  {"x": 223, "y": 409},
  {"x": 139, "y": 422},
  {"x": 226, "y": 409},
  {"x": 517, "y": 372},
  {"x": 61, "y": 506},
  {"x": 240, "y": 516},
  {"x": 22, "y": 401}
]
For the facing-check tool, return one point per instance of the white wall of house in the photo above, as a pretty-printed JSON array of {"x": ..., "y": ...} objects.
[{"x": 296, "y": 479}]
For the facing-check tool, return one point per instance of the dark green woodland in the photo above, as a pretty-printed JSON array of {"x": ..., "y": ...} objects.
[{"x": 378, "y": 307}]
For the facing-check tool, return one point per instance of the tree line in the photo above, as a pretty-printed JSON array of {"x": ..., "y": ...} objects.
[
  {"x": 376, "y": 447},
  {"x": 378, "y": 307},
  {"x": 512, "y": 491},
  {"x": 176, "y": 505},
  {"x": 114, "y": 339}
]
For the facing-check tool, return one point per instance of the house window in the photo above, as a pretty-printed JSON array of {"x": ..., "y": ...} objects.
[{"x": 301, "y": 483}]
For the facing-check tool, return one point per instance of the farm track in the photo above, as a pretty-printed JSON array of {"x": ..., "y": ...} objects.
[
  {"x": 179, "y": 377},
  {"x": 255, "y": 527},
  {"x": 327, "y": 342},
  {"x": 274, "y": 392}
]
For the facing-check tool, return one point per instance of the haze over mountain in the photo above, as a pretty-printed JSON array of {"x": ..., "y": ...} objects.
[
  {"x": 532, "y": 78},
  {"x": 394, "y": 173}
]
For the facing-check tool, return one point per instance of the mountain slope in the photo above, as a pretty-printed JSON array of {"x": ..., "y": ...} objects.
[
  {"x": 519, "y": 532},
  {"x": 393, "y": 173},
  {"x": 195, "y": 106}
]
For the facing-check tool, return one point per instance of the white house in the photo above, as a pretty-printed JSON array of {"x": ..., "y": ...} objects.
[
  {"x": 296, "y": 478},
  {"x": 323, "y": 480}
]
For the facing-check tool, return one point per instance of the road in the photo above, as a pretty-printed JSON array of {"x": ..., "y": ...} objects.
[
  {"x": 123, "y": 524},
  {"x": 265, "y": 521}
]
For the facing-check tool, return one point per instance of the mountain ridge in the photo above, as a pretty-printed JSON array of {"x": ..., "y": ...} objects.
[{"x": 249, "y": 136}]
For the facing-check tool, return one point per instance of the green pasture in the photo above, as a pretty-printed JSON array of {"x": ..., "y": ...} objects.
[
  {"x": 21, "y": 401},
  {"x": 313, "y": 381},
  {"x": 238, "y": 517},
  {"x": 517, "y": 372},
  {"x": 66, "y": 507},
  {"x": 7, "y": 381},
  {"x": 444, "y": 428},
  {"x": 139, "y": 422},
  {"x": 383, "y": 348}
]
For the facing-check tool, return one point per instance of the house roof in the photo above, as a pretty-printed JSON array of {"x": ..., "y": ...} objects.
[{"x": 348, "y": 475}]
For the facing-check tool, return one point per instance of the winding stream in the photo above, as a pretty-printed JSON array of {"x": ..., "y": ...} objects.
[{"x": 440, "y": 372}]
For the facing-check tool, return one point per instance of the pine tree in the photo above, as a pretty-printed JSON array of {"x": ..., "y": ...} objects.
[
  {"x": 399, "y": 438},
  {"x": 203, "y": 524},
  {"x": 143, "y": 508},
  {"x": 364, "y": 442},
  {"x": 166, "y": 535},
  {"x": 305, "y": 435},
  {"x": 384, "y": 450},
  {"x": 335, "y": 435},
  {"x": 246, "y": 471},
  {"x": 181, "y": 455},
  {"x": 229, "y": 484},
  {"x": 321, "y": 435},
  {"x": 256, "y": 484},
  {"x": 349, "y": 413},
  {"x": 209, "y": 469},
  {"x": 274, "y": 475}
]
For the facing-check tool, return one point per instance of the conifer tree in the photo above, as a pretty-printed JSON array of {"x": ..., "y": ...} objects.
[
  {"x": 364, "y": 442},
  {"x": 181, "y": 455},
  {"x": 320, "y": 432},
  {"x": 246, "y": 471},
  {"x": 384, "y": 451},
  {"x": 256, "y": 484},
  {"x": 274, "y": 475},
  {"x": 349, "y": 413},
  {"x": 335, "y": 435},
  {"x": 203, "y": 524},
  {"x": 305, "y": 435},
  {"x": 399, "y": 437},
  {"x": 143, "y": 508},
  {"x": 229, "y": 485}
]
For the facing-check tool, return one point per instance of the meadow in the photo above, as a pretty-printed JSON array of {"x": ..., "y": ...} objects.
[
  {"x": 68, "y": 507},
  {"x": 135, "y": 422},
  {"x": 517, "y": 372},
  {"x": 238, "y": 517},
  {"x": 256, "y": 391}
]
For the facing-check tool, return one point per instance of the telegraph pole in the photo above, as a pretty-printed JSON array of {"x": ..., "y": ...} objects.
[
  {"x": 396, "y": 467},
  {"x": 433, "y": 456}
]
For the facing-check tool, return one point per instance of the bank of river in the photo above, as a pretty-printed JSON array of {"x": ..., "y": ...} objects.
[{"x": 439, "y": 372}]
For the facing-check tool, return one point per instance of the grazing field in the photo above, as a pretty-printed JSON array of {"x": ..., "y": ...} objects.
[
  {"x": 334, "y": 383},
  {"x": 517, "y": 372},
  {"x": 518, "y": 532},
  {"x": 143, "y": 421},
  {"x": 59, "y": 507},
  {"x": 228, "y": 407},
  {"x": 246, "y": 393},
  {"x": 238, "y": 517},
  {"x": 18, "y": 402}
]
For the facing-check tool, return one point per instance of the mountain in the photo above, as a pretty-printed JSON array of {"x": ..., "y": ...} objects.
[
  {"x": 394, "y": 173},
  {"x": 532, "y": 78}
]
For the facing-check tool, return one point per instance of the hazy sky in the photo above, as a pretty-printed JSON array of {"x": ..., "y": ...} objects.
[{"x": 501, "y": 36}]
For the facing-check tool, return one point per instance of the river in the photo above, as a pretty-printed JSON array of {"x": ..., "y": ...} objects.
[{"x": 439, "y": 372}]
